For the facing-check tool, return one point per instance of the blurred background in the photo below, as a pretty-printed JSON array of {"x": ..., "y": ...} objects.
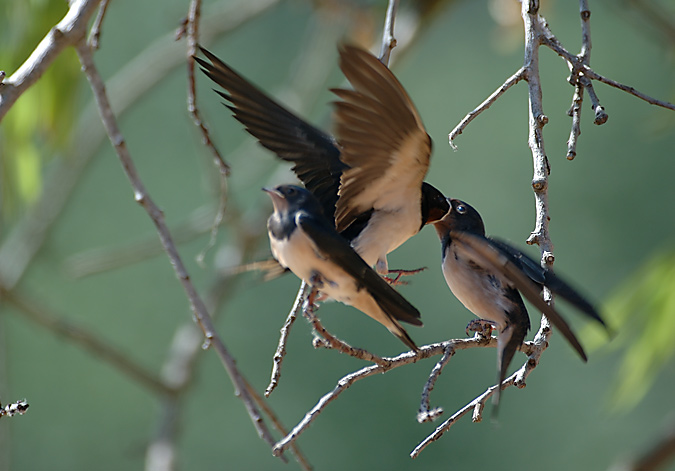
[{"x": 83, "y": 274}]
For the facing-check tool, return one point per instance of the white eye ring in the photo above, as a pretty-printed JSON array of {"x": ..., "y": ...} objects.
[{"x": 461, "y": 209}]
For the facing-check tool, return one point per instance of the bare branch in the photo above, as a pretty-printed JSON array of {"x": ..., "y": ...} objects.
[
  {"x": 511, "y": 81},
  {"x": 425, "y": 413},
  {"x": 591, "y": 74},
  {"x": 193, "y": 18},
  {"x": 21, "y": 245},
  {"x": 388, "y": 39},
  {"x": 71, "y": 29},
  {"x": 141, "y": 196},
  {"x": 598, "y": 109},
  {"x": 549, "y": 40},
  {"x": 285, "y": 330},
  {"x": 335, "y": 343},
  {"x": 18, "y": 407},
  {"x": 575, "y": 113},
  {"x": 95, "y": 33},
  {"x": 389, "y": 363},
  {"x": 300, "y": 458},
  {"x": 532, "y": 349}
]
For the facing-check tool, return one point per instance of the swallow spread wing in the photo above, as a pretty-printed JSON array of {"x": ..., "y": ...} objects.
[{"x": 369, "y": 181}]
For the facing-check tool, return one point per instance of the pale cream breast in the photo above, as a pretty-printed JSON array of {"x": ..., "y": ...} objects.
[{"x": 478, "y": 292}]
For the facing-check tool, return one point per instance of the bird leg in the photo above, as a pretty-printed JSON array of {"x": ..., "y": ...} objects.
[
  {"x": 399, "y": 273},
  {"x": 482, "y": 327}
]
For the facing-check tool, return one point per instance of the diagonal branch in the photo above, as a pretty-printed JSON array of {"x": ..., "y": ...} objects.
[
  {"x": 511, "y": 81},
  {"x": 532, "y": 349},
  {"x": 70, "y": 30},
  {"x": 388, "y": 38},
  {"x": 141, "y": 196}
]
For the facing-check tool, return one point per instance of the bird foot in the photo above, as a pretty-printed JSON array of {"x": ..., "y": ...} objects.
[
  {"x": 482, "y": 327},
  {"x": 399, "y": 273}
]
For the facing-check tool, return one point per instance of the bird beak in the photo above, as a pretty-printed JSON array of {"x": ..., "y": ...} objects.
[
  {"x": 436, "y": 213},
  {"x": 278, "y": 200},
  {"x": 442, "y": 225}
]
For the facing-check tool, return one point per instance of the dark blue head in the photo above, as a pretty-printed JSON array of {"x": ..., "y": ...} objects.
[
  {"x": 461, "y": 217},
  {"x": 291, "y": 198}
]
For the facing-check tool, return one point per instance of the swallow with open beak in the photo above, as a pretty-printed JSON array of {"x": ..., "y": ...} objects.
[
  {"x": 488, "y": 276},
  {"x": 370, "y": 180},
  {"x": 305, "y": 241}
]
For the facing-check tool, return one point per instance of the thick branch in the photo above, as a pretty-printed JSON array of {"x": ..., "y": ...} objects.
[
  {"x": 71, "y": 29},
  {"x": 201, "y": 315}
]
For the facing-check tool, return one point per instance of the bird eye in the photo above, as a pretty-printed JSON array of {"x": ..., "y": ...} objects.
[{"x": 461, "y": 209}]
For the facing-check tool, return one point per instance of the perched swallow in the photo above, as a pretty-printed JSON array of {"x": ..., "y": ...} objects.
[
  {"x": 305, "y": 241},
  {"x": 369, "y": 181},
  {"x": 488, "y": 277}
]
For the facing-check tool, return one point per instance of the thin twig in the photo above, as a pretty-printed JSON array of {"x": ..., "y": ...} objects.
[
  {"x": 511, "y": 81},
  {"x": 389, "y": 363},
  {"x": 532, "y": 349},
  {"x": 578, "y": 97},
  {"x": 425, "y": 413},
  {"x": 194, "y": 14},
  {"x": 337, "y": 344},
  {"x": 552, "y": 42},
  {"x": 600, "y": 114},
  {"x": 304, "y": 464},
  {"x": 124, "y": 89},
  {"x": 95, "y": 33},
  {"x": 285, "y": 330},
  {"x": 18, "y": 407},
  {"x": 141, "y": 196},
  {"x": 388, "y": 38},
  {"x": 575, "y": 113}
]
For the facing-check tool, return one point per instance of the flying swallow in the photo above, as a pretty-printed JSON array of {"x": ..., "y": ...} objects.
[
  {"x": 305, "y": 241},
  {"x": 370, "y": 180},
  {"x": 488, "y": 276}
]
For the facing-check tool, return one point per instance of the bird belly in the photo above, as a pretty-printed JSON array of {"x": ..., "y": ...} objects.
[
  {"x": 299, "y": 255},
  {"x": 479, "y": 291},
  {"x": 386, "y": 231}
]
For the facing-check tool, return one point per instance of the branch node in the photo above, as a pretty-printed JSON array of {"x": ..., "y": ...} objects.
[
  {"x": 477, "y": 415},
  {"x": 533, "y": 239},
  {"x": 585, "y": 15},
  {"x": 542, "y": 120},
  {"x": 18, "y": 407},
  {"x": 600, "y": 115},
  {"x": 548, "y": 257},
  {"x": 429, "y": 415},
  {"x": 539, "y": 184},
  {"x": 533, "y": 7}
]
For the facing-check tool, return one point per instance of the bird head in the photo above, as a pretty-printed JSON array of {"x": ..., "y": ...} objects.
[
  {"x": 460, "y": 217},
  {"x": 290, "y": 198}
]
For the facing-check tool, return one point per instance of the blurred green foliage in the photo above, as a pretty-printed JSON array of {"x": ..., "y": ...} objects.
[
  {"x": 642, "y": 310},
  {"x": 39, "y": 125}
]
